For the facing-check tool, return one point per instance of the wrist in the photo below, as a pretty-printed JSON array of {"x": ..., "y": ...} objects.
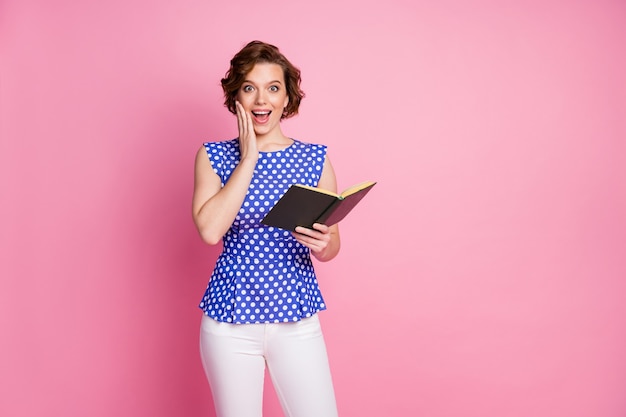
[{"x": 249, "y": 159}]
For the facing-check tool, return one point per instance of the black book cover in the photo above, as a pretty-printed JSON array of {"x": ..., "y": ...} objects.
[{"x": 303, "y": 206}]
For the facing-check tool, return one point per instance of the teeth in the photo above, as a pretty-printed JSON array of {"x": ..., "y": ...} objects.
[{"x": 260, "y": 113}]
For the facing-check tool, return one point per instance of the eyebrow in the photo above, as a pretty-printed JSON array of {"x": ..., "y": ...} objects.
[{"x": 271, "y": 82}]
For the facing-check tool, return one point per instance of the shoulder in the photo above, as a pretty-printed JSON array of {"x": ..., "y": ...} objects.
[
  {"x": 217, "y": 154},
  {"x": 308, "y": 144},
  {"x": 230, "y": 145},
  {"x": 311, "y": 147}
]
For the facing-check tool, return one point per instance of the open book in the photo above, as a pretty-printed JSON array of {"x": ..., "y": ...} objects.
[{"x": 302, "y": 205}]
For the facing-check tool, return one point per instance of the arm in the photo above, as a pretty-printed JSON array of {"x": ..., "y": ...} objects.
[
  {"x": 324, "y": 240},
  {"x": 215, "y": 208}
]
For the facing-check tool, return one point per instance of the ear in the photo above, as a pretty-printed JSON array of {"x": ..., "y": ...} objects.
[{"x": 286, "y": 102}]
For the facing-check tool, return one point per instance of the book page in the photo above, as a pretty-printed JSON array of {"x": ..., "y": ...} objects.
[
  {"x": 319, "y": 190},
  {"x": 356, "y": 188},
  {"x": 349, "y": 191}
]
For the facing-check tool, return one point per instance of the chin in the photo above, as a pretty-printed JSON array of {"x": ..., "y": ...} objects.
[{"x": 261, "y": 130}]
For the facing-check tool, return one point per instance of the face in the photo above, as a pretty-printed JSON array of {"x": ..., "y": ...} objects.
[{"x": 263, "y": 94}]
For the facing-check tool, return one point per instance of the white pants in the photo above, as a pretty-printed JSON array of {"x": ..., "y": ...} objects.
[{"x": 234, "y": 358}]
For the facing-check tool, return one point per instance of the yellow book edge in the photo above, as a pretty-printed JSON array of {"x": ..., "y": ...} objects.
[{"x": 348, "y": 191}]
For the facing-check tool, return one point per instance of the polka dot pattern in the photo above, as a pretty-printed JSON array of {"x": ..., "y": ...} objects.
[{"x": 263, "y": 274}]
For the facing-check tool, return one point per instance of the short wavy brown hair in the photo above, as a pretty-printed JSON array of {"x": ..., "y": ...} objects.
[{"x": 244, "y": 61}]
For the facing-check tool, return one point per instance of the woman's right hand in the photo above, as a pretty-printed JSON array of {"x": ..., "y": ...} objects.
[{"x": 247, "y": 137}]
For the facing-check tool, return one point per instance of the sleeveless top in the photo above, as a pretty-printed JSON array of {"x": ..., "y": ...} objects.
[{"x": 263, "y": 275}]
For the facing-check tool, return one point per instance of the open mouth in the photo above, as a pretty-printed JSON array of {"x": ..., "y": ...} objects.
[{"x": 261, "y": 116}]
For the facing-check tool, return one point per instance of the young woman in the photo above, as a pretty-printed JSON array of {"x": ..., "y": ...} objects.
[{"x": 261, "y": 304}]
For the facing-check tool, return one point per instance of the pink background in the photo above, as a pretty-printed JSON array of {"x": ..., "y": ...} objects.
[{"x": 483, "y": 276}]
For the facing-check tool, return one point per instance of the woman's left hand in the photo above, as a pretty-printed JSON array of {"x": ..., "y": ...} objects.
[
  {"x": 316, "y": 239},
  {"x": 322, "y": 240}
]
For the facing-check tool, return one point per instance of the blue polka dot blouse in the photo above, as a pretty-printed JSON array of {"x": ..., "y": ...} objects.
[{"x": 263, "y": 275}]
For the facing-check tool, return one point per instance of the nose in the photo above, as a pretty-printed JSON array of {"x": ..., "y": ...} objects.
[{"x": 260, "y": 97}]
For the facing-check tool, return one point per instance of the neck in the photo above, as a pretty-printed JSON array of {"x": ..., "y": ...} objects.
[{"x": 272, "y": 141}]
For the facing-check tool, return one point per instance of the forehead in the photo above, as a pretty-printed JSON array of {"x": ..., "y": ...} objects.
[{"x": 265, "y": 72}]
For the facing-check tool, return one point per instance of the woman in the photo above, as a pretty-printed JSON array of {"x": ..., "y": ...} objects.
[{"x": 261, "y": 304}]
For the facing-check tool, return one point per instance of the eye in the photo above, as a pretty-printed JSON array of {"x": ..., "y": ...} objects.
[
  {"x": 274, "y": 88},
  {"x": 247, "y": 88}
]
